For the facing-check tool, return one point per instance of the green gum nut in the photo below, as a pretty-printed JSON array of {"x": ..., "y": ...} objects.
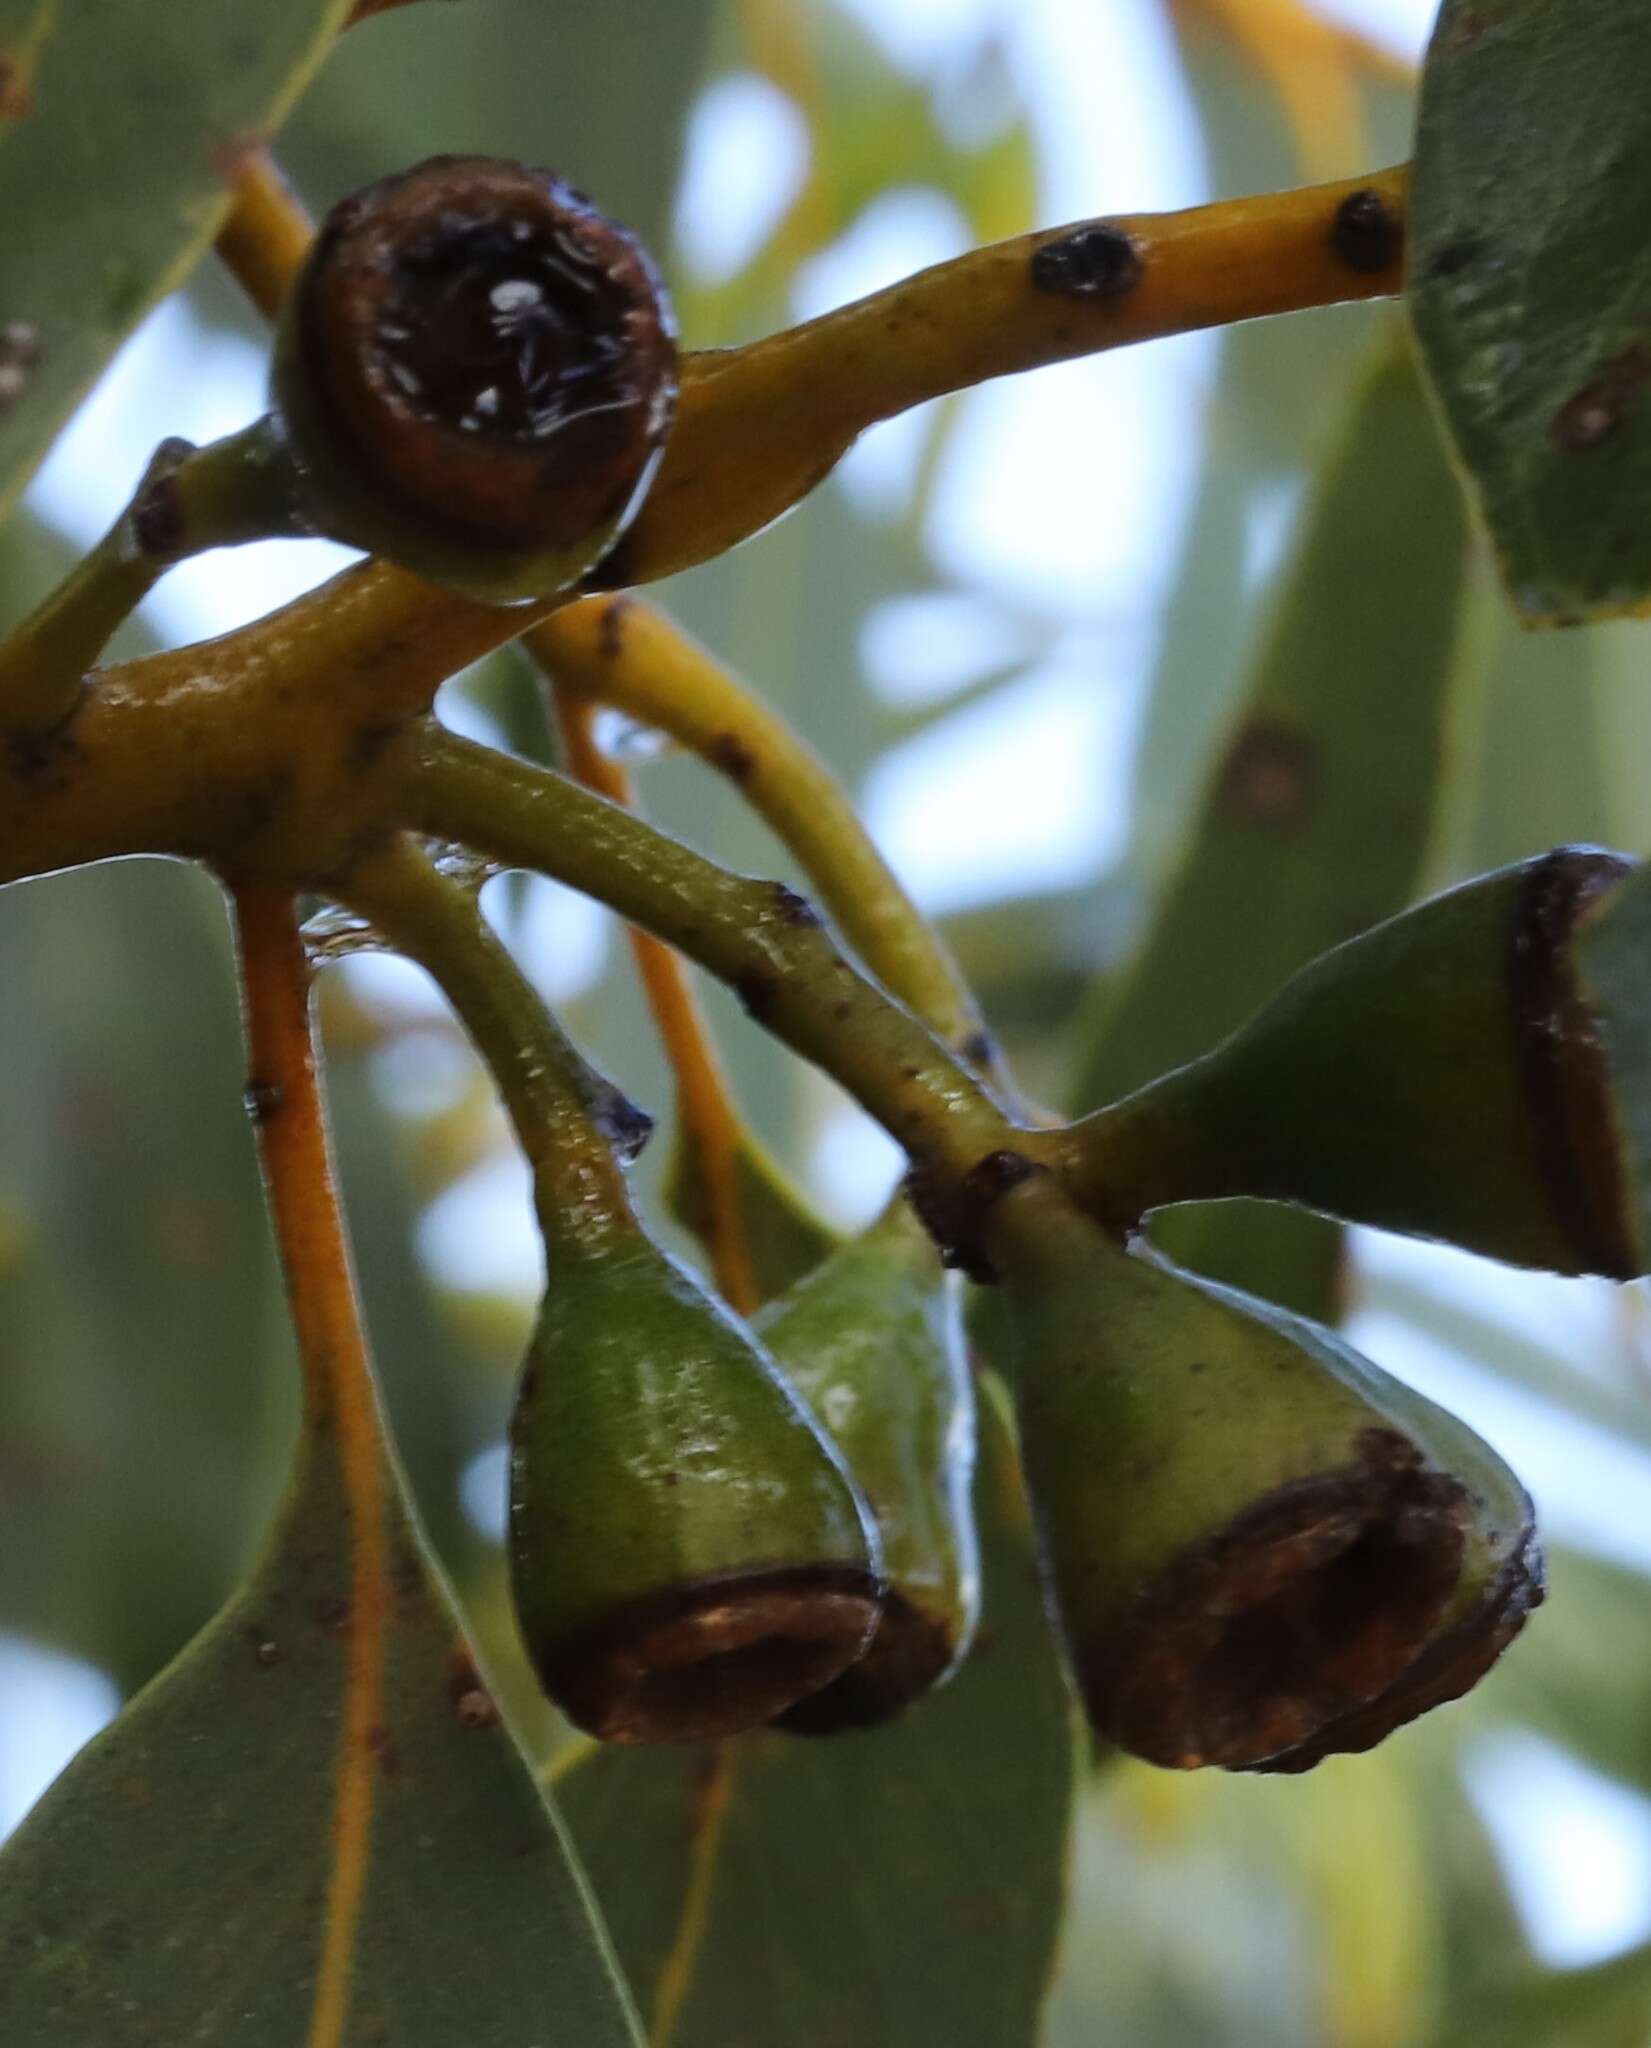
[
  {"x": 475, "y": 372},
  {"x": 872, "y": 1340},
  {"x": 1443, "y": 1075},
  {"x": 688, "y": 1556},
  {"x": 1260, "y": 1549}
]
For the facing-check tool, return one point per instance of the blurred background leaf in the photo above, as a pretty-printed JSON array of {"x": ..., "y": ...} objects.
[{"x": 117, "y": 170}]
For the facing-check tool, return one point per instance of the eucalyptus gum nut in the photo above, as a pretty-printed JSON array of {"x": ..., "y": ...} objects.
[
  {"x": 475, "y": 372},
  {"x": 872, "y": 1340},
  {"x": 1260, "y": 1549},
  {"x": 1441, "y": 1075},
  {"x": 688, "y": 1556}
]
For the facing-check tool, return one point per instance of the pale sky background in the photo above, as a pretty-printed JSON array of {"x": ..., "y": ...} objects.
[{"x": 1102, "y": 86}]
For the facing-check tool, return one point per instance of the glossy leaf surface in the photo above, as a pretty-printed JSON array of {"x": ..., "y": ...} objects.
[
  {"x": 185, "y": 1878},
  {"x": 1321, "y": 802},
  {"x": 1530, "y": 285}
]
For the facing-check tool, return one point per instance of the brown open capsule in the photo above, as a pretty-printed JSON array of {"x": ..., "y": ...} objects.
[
  {"x": 1261, "y": 1550},
  {"x": 476, "y": 371}
]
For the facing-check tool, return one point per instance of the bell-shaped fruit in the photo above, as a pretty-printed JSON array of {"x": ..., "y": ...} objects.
[
  {"x": 1443, "y": 1074},
  {"x": 688, "y": 1556},
  {"x": 872, "y": 1339},
  {"x": 1260, "y": 1549},
  {"x": 475, "y": 372}
]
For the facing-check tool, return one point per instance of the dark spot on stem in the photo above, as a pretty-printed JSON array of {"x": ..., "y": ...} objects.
[
  {"x": 1097, "y": 261},
  {"x": 610, "y": 635},
  {"x": 1567, "y": 1085},
  {"x": 757, "y": 993},
  {"x": 953, "y": 1208},
  {"x": 794, "y": 909},
  {"x": 32, "y": 755},
  {"x": 1594, "y": 413},
  {"x": 261, "y": 1100},
  {"x": 1366, "y": 233},
  {"x": 157, "y": 517},
  {"x": 979, "y": 1048},
  {"x": 366, "y": 744},
  {"x": 732, "y": 757},
  {"x": 157, "y": 513},
  {"x": 626, "y": 1127}
]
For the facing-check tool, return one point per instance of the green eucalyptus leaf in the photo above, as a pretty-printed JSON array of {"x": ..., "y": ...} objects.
[
  {"x": 142, "y": 1348},
  {"x": 1318, "y": 812},
  {"x": 1606, "y": 2005},
  {"x": 183, "y": 1879},
  {"x": 784, "y": 1236},
  {"x": 1530, "y": 287},
  {"x": 24, "y": 25},
  {"x": 1573, "y": 1682},
  {"x": 1273, "y": 409},
  {"x": 121, "y": 171},
  {"x": 865, "y": 1890}
]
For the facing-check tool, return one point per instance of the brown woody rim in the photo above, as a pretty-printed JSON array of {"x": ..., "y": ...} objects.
[
  {"x": 1313, "y": 1623},
  {"x": 712, "y": 1657},
  {"x": 909, "y": 1654},
  {"x": 1562, "y": 1061},
  {"x": 523, "y": 441}
]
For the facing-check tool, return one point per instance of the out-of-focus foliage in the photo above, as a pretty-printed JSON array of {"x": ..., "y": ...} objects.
[
  {"x": 144, "y": 1364},
  {"x": 134, "y": 123},
  {"x": 1532, "y": 288}
]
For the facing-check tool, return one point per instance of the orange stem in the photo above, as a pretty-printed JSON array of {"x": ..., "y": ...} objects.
[
  {"x": 704, "y": 1099},
  {"x": 284, "y": 1096}
]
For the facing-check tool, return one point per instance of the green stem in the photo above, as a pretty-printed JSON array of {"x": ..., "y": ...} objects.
[
  {"x": 621, "y": 651},
  {"x": 757, "y": 936},
  {"x": 188, "y": 500},
  {"x": 562, "y": 1111}
]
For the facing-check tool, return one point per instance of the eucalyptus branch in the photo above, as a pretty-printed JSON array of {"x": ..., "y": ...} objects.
[
  {"x": 623, "y": 652},
  {"x": 284, "y": 1095},
  {"x": 705, "y": 1102},
  {"x": 188, "y": 500},
  {"x": 758, "y": 427},
  {"x": 571, "y": 1124},
  {"x": 759, "y": 937}
]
